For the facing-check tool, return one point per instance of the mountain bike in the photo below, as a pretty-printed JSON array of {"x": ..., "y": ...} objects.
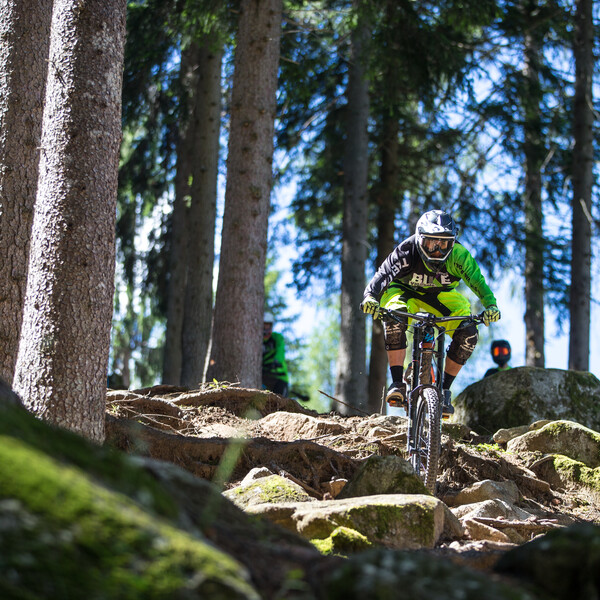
[{"x": 424, "y": 388}]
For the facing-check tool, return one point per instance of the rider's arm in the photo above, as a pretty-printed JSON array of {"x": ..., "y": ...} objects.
[
  {"x": 398, "y": 264},
  {"x": 462, "y": 264}
]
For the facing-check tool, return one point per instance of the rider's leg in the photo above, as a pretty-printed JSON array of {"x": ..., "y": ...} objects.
[
  {"x": 463, "y": 343},
  {"x": 395, "y": 344}
]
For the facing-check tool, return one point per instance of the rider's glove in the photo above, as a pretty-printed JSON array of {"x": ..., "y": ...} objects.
[
  {"x": 490, "y": 315},
  {"x": 370, "y": 306}
]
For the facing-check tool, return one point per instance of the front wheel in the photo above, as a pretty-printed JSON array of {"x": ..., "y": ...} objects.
[{"x": 425, "y": 455}]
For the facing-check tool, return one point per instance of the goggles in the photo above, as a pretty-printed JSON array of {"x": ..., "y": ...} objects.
[
  {"x": 500, "y": 351},
  {"x": 434, "y": 244}
]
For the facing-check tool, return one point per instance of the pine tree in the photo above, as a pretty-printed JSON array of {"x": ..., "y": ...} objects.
[
  {"x": 61, "y": 368},
  {"x": 24, "y": 44},
  {"x": 236, "y": 338}
]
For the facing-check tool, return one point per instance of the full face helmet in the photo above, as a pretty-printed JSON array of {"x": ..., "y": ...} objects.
[
  {"x": 267, "y": 325},
  {"x": 436, "y": 233},
  {"x": 500, "y": 352}
]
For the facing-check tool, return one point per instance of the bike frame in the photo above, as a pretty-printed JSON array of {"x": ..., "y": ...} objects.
[{"x": 428, "y": 354}]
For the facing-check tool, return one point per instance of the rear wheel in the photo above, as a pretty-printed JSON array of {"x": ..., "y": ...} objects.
[{"x": 427, "y": 435}]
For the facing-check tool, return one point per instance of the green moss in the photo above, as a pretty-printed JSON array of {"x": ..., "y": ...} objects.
[
  {"x": 342, "y": 541},
  {"x": 273, "y": 489},
  {"x": 577, "y": 472},
  {"x": 489, "y": 449},
  {"x": 113, "y": 468},
  {"x": 64, "y": 536}
]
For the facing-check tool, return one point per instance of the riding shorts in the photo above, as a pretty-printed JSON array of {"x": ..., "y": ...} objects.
[{"x": 441, "y": 304}]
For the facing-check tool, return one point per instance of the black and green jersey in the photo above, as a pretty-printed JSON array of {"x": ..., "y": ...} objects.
[
  {"x": 407, "y": 271},
  {"x": 274, "y": 357}
]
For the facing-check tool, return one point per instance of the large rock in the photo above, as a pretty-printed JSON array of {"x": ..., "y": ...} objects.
[
  {"x": 564, "y": 564},
  {"x": 400, "y": 521},
  {"x": 387, "y": 575},
  {"x": 63, "y": 534},
  {"x": 523, "y": 395},
  {"x": 82, "y": 521}
]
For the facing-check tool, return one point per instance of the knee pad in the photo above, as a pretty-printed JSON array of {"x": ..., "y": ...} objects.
[
  {"x": 463, "y": 343},
  {"x": 394, "y": 334}
]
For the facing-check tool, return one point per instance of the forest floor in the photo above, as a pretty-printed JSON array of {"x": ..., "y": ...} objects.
[{"x": 193, "y": 428}]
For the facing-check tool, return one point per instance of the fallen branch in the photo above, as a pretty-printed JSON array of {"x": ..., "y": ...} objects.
[
  {"x": 305, "y": 486},
  {"x": 345, "y": 404}
]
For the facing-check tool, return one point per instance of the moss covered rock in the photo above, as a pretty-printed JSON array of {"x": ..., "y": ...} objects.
[
  {"x": 563, "y": 564},
  {"x": 523, "y": 395},
  {"x": 387, "y": 575},
  {"x": 561, "y": 437},
  {"x": 392, "y": 520},
  {"x": 383, "y": 475},
  {"x": 272, "y": 489},
  {"x": 62, "y": 535}
]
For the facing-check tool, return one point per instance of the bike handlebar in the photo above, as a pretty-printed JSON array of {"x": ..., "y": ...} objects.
[{"x": 432, "y": 319}]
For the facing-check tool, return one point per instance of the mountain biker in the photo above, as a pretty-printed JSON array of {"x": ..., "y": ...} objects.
[
  {"x": 274, "y": 366},
  {"x": 421, "y": 274},
  {"x": 500, "y": 351}
]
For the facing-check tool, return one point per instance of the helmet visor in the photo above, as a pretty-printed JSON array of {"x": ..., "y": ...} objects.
[{"x": 436, "y": 247}]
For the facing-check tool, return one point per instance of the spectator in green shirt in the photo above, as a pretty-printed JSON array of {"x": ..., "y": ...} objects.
[{"x": 274, "y": 367}]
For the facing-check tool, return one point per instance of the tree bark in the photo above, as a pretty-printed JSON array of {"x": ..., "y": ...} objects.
[
  {"x": 534, "y": 234},
  {"x": 386, "y": 203},
  {"x": 237, "y": 328},
  {"x": 197, "y": 320},
  {"x": 583, "y": 179},
  {"x": 351, "y": 381},
  {"x": 61, "y": 368},
  {"x": 24, "y": 44},
  {"x": 173, "y": 350}
]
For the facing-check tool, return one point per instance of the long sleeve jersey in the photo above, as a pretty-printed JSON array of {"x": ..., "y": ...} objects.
[{"x": 405, "y": 268}]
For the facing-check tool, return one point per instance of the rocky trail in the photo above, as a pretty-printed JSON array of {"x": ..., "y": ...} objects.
[
  {"x": 500, "y": 498},
  {"x": 224, "y": 492}
]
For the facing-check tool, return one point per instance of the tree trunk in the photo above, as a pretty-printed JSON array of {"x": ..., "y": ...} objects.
[
  {"x": 351, "y": 381},
  {"x": 203, "y": 212},
  {"x": 237, "y": 328},
  {"x": 61, "y": 368},
  {"x": 534, "y": 234},
  {"x": 386, "y": 203},
  {"x": 173, "y": 352},
  {"x": 583, "y": 177},
  {"x": 25, "y": 40}
]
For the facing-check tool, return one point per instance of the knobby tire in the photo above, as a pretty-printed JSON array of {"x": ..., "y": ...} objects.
[{"x": 427, "y": 435}]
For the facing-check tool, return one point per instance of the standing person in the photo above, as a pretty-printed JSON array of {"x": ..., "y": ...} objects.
[
  {"x": 421, "y": 274},
  {"x": 501, "y": 352},
  {"x": 274, "y": 367}
]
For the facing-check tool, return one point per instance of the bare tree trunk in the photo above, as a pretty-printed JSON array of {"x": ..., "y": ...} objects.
[
  {"x": 583, "y": 178},
  {"x": 203, "y": 213},
  {"x": 24, "y": 44},
  {"x": 534, "y": 234},
  {"x": 61, "y": 369},
  {"x": 237, "y": 328},
  {"x": 351, "y": 381},
  {"x": 173, "y": 351},
  {"x": 386, "y": 203}
]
